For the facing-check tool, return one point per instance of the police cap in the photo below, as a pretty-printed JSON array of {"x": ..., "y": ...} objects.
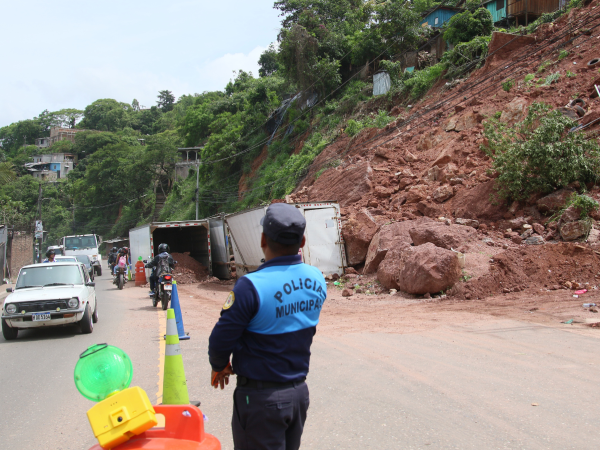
[{"x": 284, "y": 224}]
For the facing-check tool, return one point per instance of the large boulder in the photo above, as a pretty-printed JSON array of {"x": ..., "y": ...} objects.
[
  {"x": 387, "y": 272},
  {"x": 554, "y": 201},
  {"x": 442, "y": 235},
  {"x": 574, "y": 230},
  {"x": 480, "y": 202},
  {"x": 514, "y": 111},
  {"x": 464, "y": 122},
  {"x": 427, "y": 269},
  {"x": 390, "y": 236},
  {"x": 358, "y": 232}
]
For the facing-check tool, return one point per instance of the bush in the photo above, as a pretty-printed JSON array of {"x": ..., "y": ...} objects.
[
  {"x": 463, "y": 54},
  {"x": 423, "y": 80},
  {"x": 465, "y": 26},
  {"x": 570, "y": 74},
  {"x": 529, "y": 77},
  {"x": 552, "y": 78},
  {"x": 508, "y": 84},
  {"x": 563, "y": 54},
  {"x": 353, "y": 127},
  {"x": 539, "y": 155}
]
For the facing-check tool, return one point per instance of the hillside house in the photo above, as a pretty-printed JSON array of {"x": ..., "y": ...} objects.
[
  {"x": 439, "y": 16},
  {"x": 52, "y": 166},
  {"x": 497, "y": 9},
  {"x": 524, "y": 12},
  {"x": 58, "y": 134}
]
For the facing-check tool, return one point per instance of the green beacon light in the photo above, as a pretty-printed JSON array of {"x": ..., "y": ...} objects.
[
  {"x": 102, "y": 370},
  {"x": 139, "y": 258}
]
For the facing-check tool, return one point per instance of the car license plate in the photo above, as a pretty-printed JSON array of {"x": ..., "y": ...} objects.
[
  {"x": 168, "y": 287},
  {"x": 42, "y": 316}
]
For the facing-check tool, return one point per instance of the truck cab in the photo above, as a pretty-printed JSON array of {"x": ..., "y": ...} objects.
[{"x": 84, "y": 244}]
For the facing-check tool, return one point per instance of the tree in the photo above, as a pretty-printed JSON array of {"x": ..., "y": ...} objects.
[
  {"x": 19, "y": 134},
  {"x": 467, "y": 25},
  {"x": 166, "y": 100},
  {"x": 106, "y": 115},
  {"x": 65, "y": 118},
  {"x": 268, "y": 62},
  {"x": 135, "y": 105}
]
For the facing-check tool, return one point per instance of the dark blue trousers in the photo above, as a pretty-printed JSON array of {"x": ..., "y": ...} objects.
[{"x": 269, "y": 419}]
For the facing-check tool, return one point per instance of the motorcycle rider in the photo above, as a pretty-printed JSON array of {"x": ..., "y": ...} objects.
[
  {"x": 158, "y": 265},
  {"x": 123, "y": 252},
  {"x": 112, "y": 258},
  {"x": 50, "y": 254}
]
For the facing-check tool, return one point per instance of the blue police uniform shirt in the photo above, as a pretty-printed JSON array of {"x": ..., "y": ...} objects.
[{"x": 269, "y": 320}]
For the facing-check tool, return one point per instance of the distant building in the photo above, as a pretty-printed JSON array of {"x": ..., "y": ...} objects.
[
  {"x": 58, "y": 134},
  {"x": 52, "y": 166},
  {"x": 437, "y": 17},
  {"x": 188, "y": 158}
]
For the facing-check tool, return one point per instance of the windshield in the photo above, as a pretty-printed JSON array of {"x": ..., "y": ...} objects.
[
  {"x": 64, "y": 259},
  {"x": 49, "y": 275},
  {"x": 79, "y": 242},
  {"x": 83, "y": 258}
]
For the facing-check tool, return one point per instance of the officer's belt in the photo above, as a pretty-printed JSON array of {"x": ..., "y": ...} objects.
[{"x": 249, "y": 383}]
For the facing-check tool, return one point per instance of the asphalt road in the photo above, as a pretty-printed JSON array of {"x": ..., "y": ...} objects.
[
  {"x": 489, "y": 384},
  {"x": 40, "y": 408},
  {"x": 458, "y": 386}
]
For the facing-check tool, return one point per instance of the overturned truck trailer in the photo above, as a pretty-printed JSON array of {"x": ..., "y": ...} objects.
[
  {"x": 324, "y": 247},
  {"x": 203, "y": 239}
]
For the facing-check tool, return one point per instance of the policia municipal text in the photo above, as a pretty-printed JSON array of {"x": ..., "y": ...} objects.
[{"x": 268, "y": 323}]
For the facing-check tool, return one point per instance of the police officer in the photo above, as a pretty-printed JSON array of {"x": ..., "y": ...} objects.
[{"x": 268, "y": 323}]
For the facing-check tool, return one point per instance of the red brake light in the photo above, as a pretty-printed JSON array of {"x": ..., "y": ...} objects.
[{"x": 168, "y": 277}]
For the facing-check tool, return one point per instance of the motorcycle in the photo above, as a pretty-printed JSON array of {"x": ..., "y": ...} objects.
[
  {"x": 120, "y": 277},
  {"x": 164, "y": 287}
]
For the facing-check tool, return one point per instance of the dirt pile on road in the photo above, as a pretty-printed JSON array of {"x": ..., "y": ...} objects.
[
  {"x": 535, "y": 268},
  {"x": 188, "y": 270}
]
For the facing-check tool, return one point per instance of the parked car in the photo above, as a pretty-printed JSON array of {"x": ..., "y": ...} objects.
[
  {"x": 59, "y": 258},
  {"x": 50, "y": 295},
  {"x": 87, "y": 262}
]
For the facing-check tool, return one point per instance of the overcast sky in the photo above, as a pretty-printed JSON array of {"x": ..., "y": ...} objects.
[{"x": 66, "y": 54}]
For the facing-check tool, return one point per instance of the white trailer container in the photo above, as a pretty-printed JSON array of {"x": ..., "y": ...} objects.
[
  {"x": 324, "y": 247},
  {"x": 192, "y": 236}
]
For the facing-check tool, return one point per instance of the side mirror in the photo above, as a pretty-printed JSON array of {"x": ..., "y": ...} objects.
[
  {"x": 174, "y": 262},
  {"x": 145, "y": 262},
  {"x": 91, "y": 284},
  {"x": 9, "y": 290}
]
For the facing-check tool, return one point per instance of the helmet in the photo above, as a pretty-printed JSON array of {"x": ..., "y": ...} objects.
[
  {"x": 114, "y": 249},
  {"x": 50, "y": 252},
  {"x": 125, "y": 250},
  {"x": 120, "y": 250},
  {"x": 163, "y": 248}
]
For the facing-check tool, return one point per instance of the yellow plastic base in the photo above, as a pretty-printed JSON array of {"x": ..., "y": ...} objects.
[{"x": 121, "y": 416}]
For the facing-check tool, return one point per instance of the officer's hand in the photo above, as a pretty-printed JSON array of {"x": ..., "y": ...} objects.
[{"x": 221, "y": 377}]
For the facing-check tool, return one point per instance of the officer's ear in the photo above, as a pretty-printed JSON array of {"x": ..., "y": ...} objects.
[
  {"x": 263, "y": 241},
  {"x": 303, "y": 241}
]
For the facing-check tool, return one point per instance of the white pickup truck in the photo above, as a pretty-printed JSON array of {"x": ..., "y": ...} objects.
[{"x": 84, "y": 244}]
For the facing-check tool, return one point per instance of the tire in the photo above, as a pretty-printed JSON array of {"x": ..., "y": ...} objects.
[
  {"x": 165, "y": 301},
  {"x": 86, "y": 324},
  {"x": 593, "y": 63},
  {"x": 155, "y": 299},
  {"x": 92, "y": 276},
  {"x": 579, "y": 110},
  {"x": 95, "y": 315},
  {"x": 99, "y": 271},
  {"x": 579, "y": 102},
  {"x": 120, "y": 281},
  {"x": 9, "y": 333}
]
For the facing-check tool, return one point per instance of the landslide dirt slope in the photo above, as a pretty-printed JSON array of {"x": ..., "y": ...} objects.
[{"x": 429, "y": 162}]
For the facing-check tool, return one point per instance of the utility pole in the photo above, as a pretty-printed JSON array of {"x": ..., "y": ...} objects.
[{"x": 197, "y": 184}]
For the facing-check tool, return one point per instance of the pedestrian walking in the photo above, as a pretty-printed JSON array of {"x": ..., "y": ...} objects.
[{"x": 267, "y": 324}]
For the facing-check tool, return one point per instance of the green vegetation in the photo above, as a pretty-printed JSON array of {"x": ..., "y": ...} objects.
[
  {"x": 563, "y": 54},
  {"x": 570, "y": 74},
  {"x": 544, "y": 66},
  {"x": 539, "y": 155},
  {"x": 469, "y": 24},
  {"x": 552, "y": 78},
  {"x": 508, "y": 84}
]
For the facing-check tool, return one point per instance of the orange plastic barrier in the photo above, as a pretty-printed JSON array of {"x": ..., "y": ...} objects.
[
  {"x": 184, "y": 430},
  {"x": 140, "y": 273}
]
